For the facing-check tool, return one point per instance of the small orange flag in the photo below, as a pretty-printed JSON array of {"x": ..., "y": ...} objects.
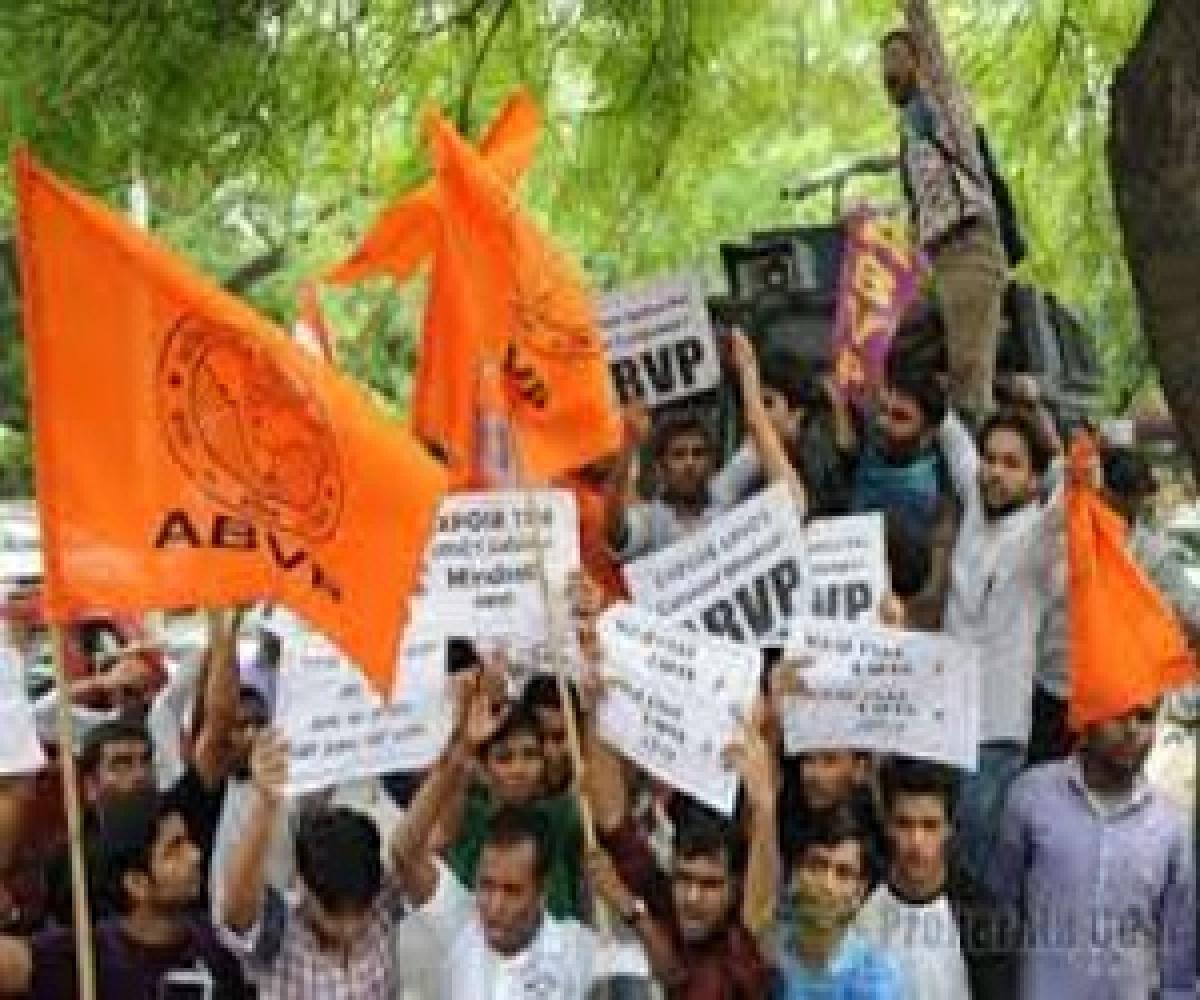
[
  {"x": 503, "y": 303},
  {"x": 1126, "y": 647},
  {"x": 189, "y": 453}
]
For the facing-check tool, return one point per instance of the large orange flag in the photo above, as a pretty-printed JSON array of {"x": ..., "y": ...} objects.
[
  {"x": 189, "y": 453},
  {"x": 1126, "y": 646},
  {"x": 504, "y": 306}
]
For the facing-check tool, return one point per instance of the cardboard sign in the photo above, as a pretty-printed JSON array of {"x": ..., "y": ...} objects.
[
  {"x": 660, "y": 341},
  {"x": 746, "y": 575},
  {"x": 674, "y": 700},
  {"x": 482, "y": 563},
  {"x": 884, "y": 690},
  {"x": 846, "y": 561},
  {"x": 20, "y": 749},
  {"x": 335, "y": 725}
]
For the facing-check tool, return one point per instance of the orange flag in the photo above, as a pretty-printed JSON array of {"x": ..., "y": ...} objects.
[
  {"x": 189, "y": 453},
  {"x": 504, "y": 304},
  {"x": 1126, "y": 646}
]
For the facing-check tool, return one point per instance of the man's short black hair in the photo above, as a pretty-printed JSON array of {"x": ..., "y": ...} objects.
[
  {"x": 512, "y": 826},
  {"x": 1127, "y": 474},
  {"x": 676, "y": 423},
  {"x": 121, "y": 730},
  {"x": 337, "y": 856},
  {"x": 902, "y": 35},
  {"x": 702, "y": 833},
  {"x": 792, "y": 378},
  {"x": 920, "y": 385},
  {"x": 521, "y": 718},
  {"x": 901, "y": 776},
  {"x": 1018, "y": 423},
  {"x": 831, "y": 828},
  {"x": 127, "y": 831},
  {"x": 542, "y": 692}
]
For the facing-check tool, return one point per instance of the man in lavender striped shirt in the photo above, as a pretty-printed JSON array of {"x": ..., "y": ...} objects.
[{"x": 1102, "y": 870}]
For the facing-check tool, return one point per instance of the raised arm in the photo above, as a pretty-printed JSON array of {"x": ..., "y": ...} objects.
[
  {"x": 412, "y": 855},
  {"x": 754, "y": 760},
  {"x": 962, "y": 458},
  {"x": 212, "y": 755},
  {"x": 619, "y": 487},
  {"x": 771, "y": 452},
  {"x": 246, "y": 877}
]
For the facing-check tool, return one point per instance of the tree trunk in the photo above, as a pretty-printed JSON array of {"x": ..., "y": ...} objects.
[{"x": 1154, "y": 162}]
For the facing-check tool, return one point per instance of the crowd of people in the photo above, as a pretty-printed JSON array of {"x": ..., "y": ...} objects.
[{"x": 533, "y": 861}]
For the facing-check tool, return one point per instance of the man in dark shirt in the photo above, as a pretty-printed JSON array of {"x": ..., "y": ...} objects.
[
  {"x": 152, "y": 948},
  {"x": 117, "y": 763}
]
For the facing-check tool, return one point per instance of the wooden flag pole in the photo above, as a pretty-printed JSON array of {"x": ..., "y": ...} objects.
[{"x": 84, "y": 959}]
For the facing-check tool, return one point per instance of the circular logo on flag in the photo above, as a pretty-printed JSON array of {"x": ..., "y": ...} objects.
[{"x": 250, "y": 434}]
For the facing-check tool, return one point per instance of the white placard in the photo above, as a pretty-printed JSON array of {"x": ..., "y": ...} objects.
[
  {"x": 846, "y": 562},
  {"x": 481, "y": 566},
  {"x": 747, "y": 574},
  {"x": 335, "y": 724},
  {"x": 660, "y": 341},
  {"x": 884, "y": 690},
  {"x": 674, "y": 699},
  {"x": 20, "y": 749}
]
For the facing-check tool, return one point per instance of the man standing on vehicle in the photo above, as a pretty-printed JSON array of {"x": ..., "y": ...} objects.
[{"x": 950, "y": 196}]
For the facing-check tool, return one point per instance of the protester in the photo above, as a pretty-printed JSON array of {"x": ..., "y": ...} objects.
[
  {"x": 499, "y": 942},
  {"x": 1001, "y": 584},
  {"x": 1102, "y": 870},
  {"x": 898, "y": 468},
  {"x": 822, "y": 782},
  {"x": 152, "y": 946},
  {"x": 819, "y": 953},
  {"x": 117, "y": 762},
  {"x": 710, "y": 946},
  {"x": 542, "y": 697},
  {"x": 506, "y": 740},
  {"x": 337, "y": 939},
  {"x": 948, "y": 935},
  {"x": 951, "y": 199}
]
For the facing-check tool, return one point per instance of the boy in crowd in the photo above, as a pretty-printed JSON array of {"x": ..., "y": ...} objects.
[
  {"x": 1101, "y": 868},
  {"x": 897, "y": 467},
  {"x": 945, "y": 932},
  {"x": 819, "y": 952},
  {"x": 709, "y": 950},
  {"x": 336, "y": 939},
  {"x": 151, "y": 945},
  {"x": 506, "y": 741}
]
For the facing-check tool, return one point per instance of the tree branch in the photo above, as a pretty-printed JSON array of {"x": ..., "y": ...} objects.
[
  {"x": 468, "y": 91},
  {"x": 255, "y": 270}
]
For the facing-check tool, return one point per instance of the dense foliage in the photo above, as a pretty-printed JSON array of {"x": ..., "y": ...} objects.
[{"x": 266, "y": 133}]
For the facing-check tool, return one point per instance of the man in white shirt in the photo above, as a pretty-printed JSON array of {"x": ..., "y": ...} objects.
[
  {"x": 1002, "y": 581},
  {"x": 498, "y": 942},
  {"x": 944, "y": 931}
]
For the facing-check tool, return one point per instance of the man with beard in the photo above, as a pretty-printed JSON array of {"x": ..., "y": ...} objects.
[
  {"x": 820, "y": 953},
  {"x": 1101, "y": 867},
  {"x": 152, "y": 947},
  {"x": 954, "y": 217},
  {"x": 1002, "y": 581}
]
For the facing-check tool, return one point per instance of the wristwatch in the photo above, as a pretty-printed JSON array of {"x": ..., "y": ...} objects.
[{"x": 635, "y": 911}]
